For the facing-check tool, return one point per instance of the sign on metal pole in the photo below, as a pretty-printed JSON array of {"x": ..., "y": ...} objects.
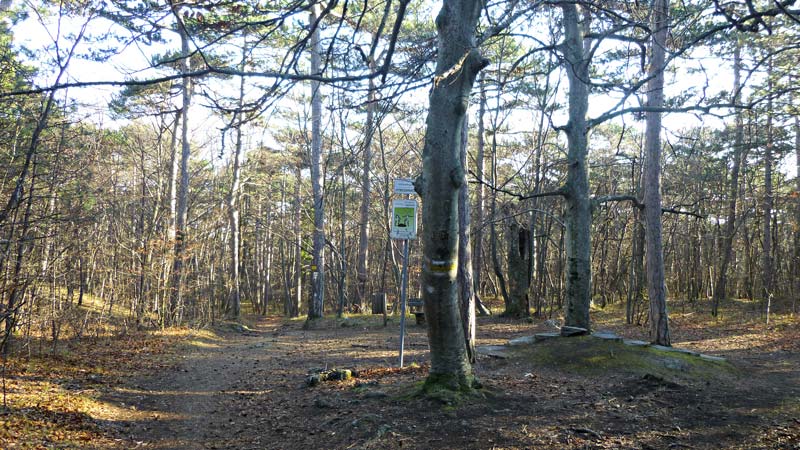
[
  {"x": 404, "y": 186},
  {"x": 404, "y": 219}
]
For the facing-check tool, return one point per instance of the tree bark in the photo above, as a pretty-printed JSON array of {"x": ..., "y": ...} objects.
[
  {"x": 656, "y": 288},
  {"x": 458, "y": 63}
]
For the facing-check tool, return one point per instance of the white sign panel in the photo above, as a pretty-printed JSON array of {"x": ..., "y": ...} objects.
[
  {"x": 404, "y": 219},
  {"x": 404, "y": 186}
]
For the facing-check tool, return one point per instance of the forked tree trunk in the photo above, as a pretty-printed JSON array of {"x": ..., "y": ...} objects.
[
  {"x": 656, "y": 288},
  {"x": 458, "y": 63}
]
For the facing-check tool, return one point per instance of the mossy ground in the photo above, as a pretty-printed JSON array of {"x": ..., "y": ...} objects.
[{"x": 586, "y": 355}]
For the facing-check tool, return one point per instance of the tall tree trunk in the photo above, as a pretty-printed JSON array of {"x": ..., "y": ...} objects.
[
  {"x": 317, "y": 301},
  {"x": 477, "y": 238},
  {"x": 457, "y": 64},
  {"x": 796, "y": 252},
  {"x": 234, "y": 310},
  {"x": 176, "y": 300},
  {"x": 465, "y": 274},
  {"x": 362, "y": 262},
  {"x": 576, "y": 190},
  {"x": 297, "y": 299},
  {"x": 720, "y": 290},
  {"x": 656, "y": 289},
  {"x": 767, "y": 276}
]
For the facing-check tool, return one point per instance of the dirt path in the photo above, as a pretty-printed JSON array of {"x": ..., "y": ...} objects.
[
  {"x": 190, "y": 406},
  {"x": 248, "y": 391}
]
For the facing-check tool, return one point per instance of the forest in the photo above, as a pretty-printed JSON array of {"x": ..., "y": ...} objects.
[{"x": 197, "y": 245}]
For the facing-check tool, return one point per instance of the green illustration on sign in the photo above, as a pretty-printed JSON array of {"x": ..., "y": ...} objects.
[{"x": 404, "y": 219}]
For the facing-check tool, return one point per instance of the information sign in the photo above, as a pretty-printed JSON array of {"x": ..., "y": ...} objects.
[
  {"x": 404, "y": 219},
  {"x": 404, "y": 186}
]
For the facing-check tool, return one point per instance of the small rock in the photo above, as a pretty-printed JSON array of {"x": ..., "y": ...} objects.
[
  {"x": 320, "y": 402},
  {"x": 635, "y": 343},
  {"x": 573, "y": 331},
  {"x": 375, "y": 394}
]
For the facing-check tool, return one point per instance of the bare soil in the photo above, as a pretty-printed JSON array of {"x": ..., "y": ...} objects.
[{"x": 247, "y": 390}]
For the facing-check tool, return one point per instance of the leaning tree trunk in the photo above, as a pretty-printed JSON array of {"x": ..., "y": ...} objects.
[
  {"x": 576, "y": 189},
  {"x": 730, "y": 222},
  {"x": 315, "y": 305},
  {"x": 656, "y": 289},
  {"x": 458, "y": 63}
]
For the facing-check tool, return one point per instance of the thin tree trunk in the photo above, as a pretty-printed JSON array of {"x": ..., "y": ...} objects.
[
  {"x": 477, "y": 238},
  {"x": 234, "y": 310},
  {"x": 720, "y": 291},
  {"x": 176, "y": 300},
  {"x": 767, "y": 275},
  {"x": 363, "y": 225},
  {"x": 315, "y": 306}
]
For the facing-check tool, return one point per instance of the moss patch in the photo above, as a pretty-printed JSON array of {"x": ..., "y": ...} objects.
[{"x": 586, "y": 355}]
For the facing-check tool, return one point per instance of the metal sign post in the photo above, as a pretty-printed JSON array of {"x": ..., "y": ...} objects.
[{"x": 404, "y": 226}]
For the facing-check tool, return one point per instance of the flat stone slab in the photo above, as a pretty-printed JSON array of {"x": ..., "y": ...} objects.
[
  {"x": 524, "y": 340},
  {"x": 495, "y": 351},
  {"x": 635, "y": 343},
  {"x": 545, "y": 336},
  {"x": 573, "y": 331},
  {"x": 606, "y": 335},
  {"x": 712, "y": 358},
  {"x": 674, "y": 350}
]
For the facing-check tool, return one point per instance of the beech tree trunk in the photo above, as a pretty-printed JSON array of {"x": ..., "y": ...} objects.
[
  {"x": 656, "y": 288},
  {"x": 317, "y": 301},
  {"x": 458, "y": 63}
]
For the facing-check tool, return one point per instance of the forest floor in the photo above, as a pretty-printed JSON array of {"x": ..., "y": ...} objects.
[{"x": 246, "y": 389}]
